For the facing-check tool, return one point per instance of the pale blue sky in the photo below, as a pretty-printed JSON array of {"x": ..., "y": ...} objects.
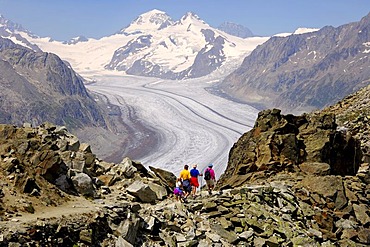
[{"x": 65, "y": 19}]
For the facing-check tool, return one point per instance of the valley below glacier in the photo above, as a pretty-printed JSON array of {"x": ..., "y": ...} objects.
[{"x": 173, "y": 123}]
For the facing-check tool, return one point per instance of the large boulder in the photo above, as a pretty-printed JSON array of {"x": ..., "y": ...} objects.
[
  {"x": 142, "y": 191},
  {"x": 168, "y": 179},
  {"x": 286, "y": 142},
  {"x": 83, "y": 184}
]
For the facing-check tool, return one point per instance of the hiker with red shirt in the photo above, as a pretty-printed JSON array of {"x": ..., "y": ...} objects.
[
  {"x": 210, "y": 177},
  {"x": 194, "y": 173}
]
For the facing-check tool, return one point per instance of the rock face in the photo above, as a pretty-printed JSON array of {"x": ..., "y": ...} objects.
[
  {"x": 278, "y": 142},
  {"x": 307, "y": 71}
]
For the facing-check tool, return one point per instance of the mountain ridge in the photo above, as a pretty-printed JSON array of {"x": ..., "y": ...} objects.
[
  {"x": 173, "y": 49},
  {"x": 306, "y": 71}
]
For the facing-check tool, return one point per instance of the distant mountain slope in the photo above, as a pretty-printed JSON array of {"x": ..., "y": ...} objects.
[
  {"x": 305, "y": 71},
  {"x": 235, "y": 30},
  {"x": 152, "y": 45},
  {"x": 38, "y": 87}
]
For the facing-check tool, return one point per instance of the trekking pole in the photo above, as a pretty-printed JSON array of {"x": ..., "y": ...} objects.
[{"x": 201, "y": 185}]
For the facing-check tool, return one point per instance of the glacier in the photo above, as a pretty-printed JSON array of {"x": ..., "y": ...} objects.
[{"x": 189, "y": 124}]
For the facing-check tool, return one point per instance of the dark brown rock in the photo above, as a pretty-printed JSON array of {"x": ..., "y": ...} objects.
[
  {"x": 315, "y": 168},
  {"x": 285, "y": 142}
]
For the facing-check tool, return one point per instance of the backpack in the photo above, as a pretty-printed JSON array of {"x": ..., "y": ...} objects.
[{"x": 207, "y": 175}]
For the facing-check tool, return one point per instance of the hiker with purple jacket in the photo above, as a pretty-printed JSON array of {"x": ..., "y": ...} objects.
[{"x": 210, "y": 177}]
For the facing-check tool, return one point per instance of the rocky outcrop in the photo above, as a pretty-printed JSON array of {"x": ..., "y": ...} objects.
[
  {"x": 277, "y": 142},
  {"x": 46, "y": 164}
]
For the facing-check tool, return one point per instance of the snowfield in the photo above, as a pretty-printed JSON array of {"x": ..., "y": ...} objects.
[{"x": 189, "y": 124}]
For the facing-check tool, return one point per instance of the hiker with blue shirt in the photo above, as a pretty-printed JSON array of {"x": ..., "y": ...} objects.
[
  {"x": 210, "y": 177},
  {"x": 194, "y": 173}
]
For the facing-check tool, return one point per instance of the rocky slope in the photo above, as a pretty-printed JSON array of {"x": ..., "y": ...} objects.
[
  {"x": 307, "y": 71},
  {"x": 323, "y": 166},
  {"x": 56, "y": 192},
  {"x": 38, "y": 87}
]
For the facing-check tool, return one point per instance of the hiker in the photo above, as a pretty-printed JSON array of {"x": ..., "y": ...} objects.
[
  {"x": 194, "y": 173},
  {"x": 185, "y": 178},
  {"x": 178, "y": 192},
  {"x": 210, "y": 177}
]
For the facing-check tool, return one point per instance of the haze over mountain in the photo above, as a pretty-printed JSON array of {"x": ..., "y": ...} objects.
[{"x": 235, "y": 29}]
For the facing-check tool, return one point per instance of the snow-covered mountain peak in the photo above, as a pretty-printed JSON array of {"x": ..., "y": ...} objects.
[
  {"x": 11, "y": 25},
  {"x": 16, "y": 33},
  {"x": 191, "y": 18},
  {"x": 152, "y": 45},
  {"x": 190, "y": 15},
  {"x": 149, "y": 21}
]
